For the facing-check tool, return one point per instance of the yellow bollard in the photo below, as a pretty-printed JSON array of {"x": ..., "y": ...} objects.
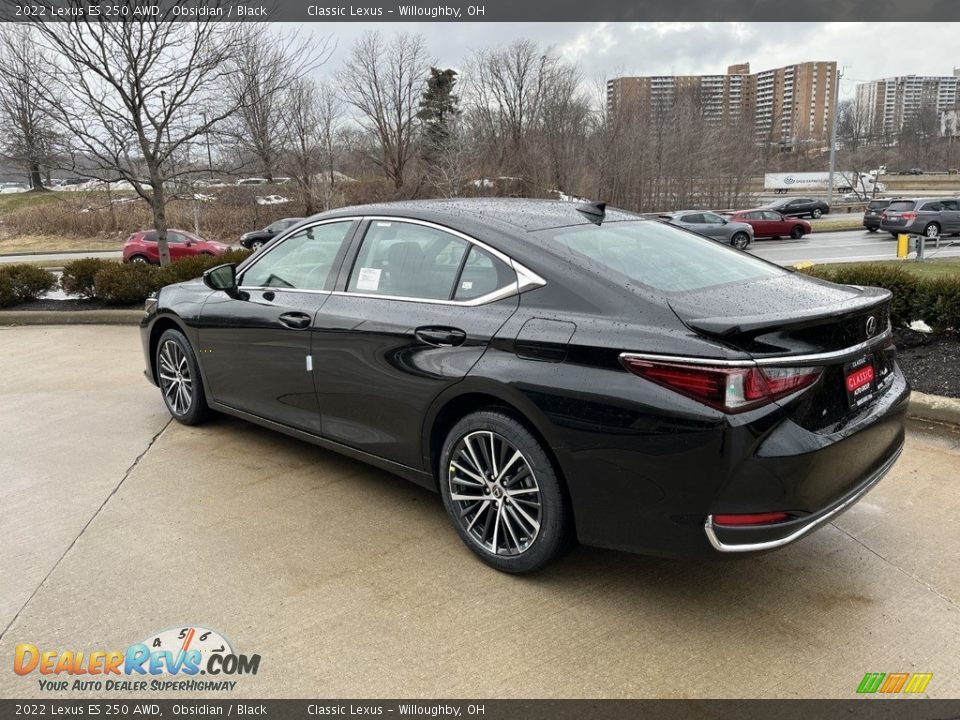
[{"x": 903, "y": 245}]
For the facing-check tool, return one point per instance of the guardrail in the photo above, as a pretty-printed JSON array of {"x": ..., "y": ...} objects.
[{"x": 904, "y": 240}]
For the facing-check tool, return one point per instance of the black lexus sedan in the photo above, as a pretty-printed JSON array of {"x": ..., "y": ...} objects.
[
  {"x": 799, "y": 207},
  {"x": 557, "y": 372},
  {"x": 258, "y": 238}
]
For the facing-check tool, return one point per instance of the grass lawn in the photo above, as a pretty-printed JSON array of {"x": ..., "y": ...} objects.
[
  {"x": 945, "y": 267},
  {"x": 52, "y": 243},
  {"x": 829, "y": 224},
  {"x": 14, "y": 201}
]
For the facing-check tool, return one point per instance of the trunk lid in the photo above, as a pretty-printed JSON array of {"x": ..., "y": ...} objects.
[{"x": 776, "y": 318}]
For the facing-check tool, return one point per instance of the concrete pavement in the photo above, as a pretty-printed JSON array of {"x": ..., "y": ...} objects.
[{"x": 350, "y": 582}]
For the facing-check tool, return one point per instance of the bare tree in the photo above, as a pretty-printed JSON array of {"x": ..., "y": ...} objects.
[
  {"x": 30, "y": 133},
  {"x": 134, "y": 94},
  {"x": 312, "y": 116},
  {"x": 266, "y": 66},
  {"x": 383, "y": 80}
]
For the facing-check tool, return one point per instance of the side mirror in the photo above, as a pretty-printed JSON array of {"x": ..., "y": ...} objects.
[
  {"x": 223, "y": 278},
  {"x": 189, "y": 243}
]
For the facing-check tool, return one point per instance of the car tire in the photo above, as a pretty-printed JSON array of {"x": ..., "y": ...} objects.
[
  {"x": 796, "y": 232},
  {"x": 817, "y": 212},
  {"x": 256, "y": 245},
  {"x": 872, "y": 230},
  {"x": 932, "y": 230},
  {"x": 740, "y": 240},
  {"x": 140, "y": 259},
  {"x": 520, "y": 520},
  {"x": 178, "y": 375}
]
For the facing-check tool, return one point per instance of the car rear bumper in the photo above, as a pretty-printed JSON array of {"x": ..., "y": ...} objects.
[
  {"x": 660, "y": 496},
  {"x": 871, "y": 223},
  {"x": 776, "y": 535}
]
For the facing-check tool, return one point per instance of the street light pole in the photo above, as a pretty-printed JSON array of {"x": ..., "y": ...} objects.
[{"x": 833, "y": 135}]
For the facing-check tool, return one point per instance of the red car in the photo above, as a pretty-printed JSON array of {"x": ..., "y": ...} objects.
[
  {"x": 141, "y": 247},
  {"x": 771, "y": 224}
]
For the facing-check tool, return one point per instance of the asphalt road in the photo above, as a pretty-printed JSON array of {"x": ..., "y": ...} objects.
[
  {"x": 348, "y": 581},
  {"x": 844, "y": 246}
]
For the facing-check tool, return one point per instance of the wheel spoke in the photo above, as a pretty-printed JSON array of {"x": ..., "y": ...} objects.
[
  {"x": 509, "y": 525},
  {"x": 468, "y": 444},
  {"x": 510, "y": 462},
  {"x": 496, "y": 530},
  {"x": 468, "y": 473}
]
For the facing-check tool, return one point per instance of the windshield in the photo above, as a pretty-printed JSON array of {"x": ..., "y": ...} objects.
[{"x": 656, "y": 255}]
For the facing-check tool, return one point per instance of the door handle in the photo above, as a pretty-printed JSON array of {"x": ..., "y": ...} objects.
[
  {"x": 441, "y": 336},
  {"x": 295, "y": 320}
]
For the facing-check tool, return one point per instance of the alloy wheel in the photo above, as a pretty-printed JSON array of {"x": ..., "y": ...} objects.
[
  {"x": 932, "y": 231},
  {"x": 175, "y": 379},
  {"x": 740, "y": 241},
  {"x": 495, "y": 493},
  {"x": 138, "y": 259}
]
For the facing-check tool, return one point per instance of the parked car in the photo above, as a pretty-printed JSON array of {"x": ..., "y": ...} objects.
[
  {"x": 771, "y": 224},
  {"x": 141, "y": 247},
  {"x": 872, "y": 213},
  {"x": 799, "y": 207},
  {"x": 737, "y": 234},
  {"x": 911, "y": 171},
  {"x": 922, "y": 216},
  {"x": 258, "y": 238},
  {"x": 555, "y": 371}
]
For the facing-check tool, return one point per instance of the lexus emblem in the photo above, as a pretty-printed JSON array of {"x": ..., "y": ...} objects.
[{"x": 871, "y": 326}]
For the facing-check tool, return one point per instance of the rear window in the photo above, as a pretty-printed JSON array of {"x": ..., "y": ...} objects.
[
  {"x": 901, "y": 205},
  {"x": 657, "y": 256},
  {"x": 878, "y": 204}
]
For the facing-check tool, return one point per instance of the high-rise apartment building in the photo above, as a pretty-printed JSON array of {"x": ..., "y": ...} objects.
[
  {"x": 787, "y": 105},
  {"x": 889, "y": 103}
]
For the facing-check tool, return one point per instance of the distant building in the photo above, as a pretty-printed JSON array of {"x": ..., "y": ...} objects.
[
  {"x": 950, "y": 123},
  {"x": 786, "y": 105},
  {"x": 890, "y": 102}
]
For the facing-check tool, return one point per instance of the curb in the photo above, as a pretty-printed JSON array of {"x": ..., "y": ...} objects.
[
  {"x": 72, "y": 317},
  {"x": 934, "y": 407}
]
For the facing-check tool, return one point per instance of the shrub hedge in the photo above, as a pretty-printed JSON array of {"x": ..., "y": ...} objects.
[
  {"x": 22, "y": 282},
  {"x": 130, "y": 284},
  {"x": 936, "y": 301},
  {"x": 78, "y": 275}
]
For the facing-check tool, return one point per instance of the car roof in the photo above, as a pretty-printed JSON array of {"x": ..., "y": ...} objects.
[{"x": 508, "y": 213}]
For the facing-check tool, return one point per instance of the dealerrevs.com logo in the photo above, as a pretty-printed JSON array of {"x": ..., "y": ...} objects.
[{"x": 187, "y": 659}]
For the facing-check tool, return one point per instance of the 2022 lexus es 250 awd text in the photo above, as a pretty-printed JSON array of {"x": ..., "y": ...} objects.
[{"x": 557, "y": 372}]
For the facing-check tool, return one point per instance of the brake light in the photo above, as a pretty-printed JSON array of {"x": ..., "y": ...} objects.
[
  {"x": 750, "y": 518},
  {"x": 731, "y": 389},
  {"x": 910, "y": 215}
]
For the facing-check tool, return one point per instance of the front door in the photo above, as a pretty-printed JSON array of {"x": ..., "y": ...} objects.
[
  {"x": 256, "y": 349},
  {"x": 417, "y": 310}
]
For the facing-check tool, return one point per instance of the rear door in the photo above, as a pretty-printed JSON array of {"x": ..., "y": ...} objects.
[
  {"x": 411, "y": 315},
  {"x": 895, "y": 211}
]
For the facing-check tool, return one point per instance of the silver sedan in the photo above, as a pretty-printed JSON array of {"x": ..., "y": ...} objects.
[{"x": 714, "y": 226}]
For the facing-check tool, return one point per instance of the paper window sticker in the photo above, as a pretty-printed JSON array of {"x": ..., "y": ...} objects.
[
  {"x": 466, "y": 285},
  {"x": 369, "y": 279},
  {"x": 384, "y": 224}
]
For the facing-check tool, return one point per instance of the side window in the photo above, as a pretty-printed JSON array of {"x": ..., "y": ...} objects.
[
  {"x": 712, "y": 219},
  {"x": 696, "y": 219},
  {"x": 483, "y": 273},
  {"x": 403, "y": 259},
  {"x": 303, "y": 261},
  {"x": 933, "y": 207},
  {"x": 950, "y": 205}
]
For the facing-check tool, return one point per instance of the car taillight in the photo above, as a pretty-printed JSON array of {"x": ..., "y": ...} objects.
[
  {"x": 731, "y": 389},
  {"x": 883, "y": 216},
  {"x": 910, "y": 215},
  {"x": 750, "y": 518}
]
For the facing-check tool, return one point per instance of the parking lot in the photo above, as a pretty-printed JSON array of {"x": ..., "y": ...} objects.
[{"x": 348, "y": 581}]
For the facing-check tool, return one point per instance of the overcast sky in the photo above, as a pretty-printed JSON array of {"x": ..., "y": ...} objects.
[{"x": 869, "y": 50}]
